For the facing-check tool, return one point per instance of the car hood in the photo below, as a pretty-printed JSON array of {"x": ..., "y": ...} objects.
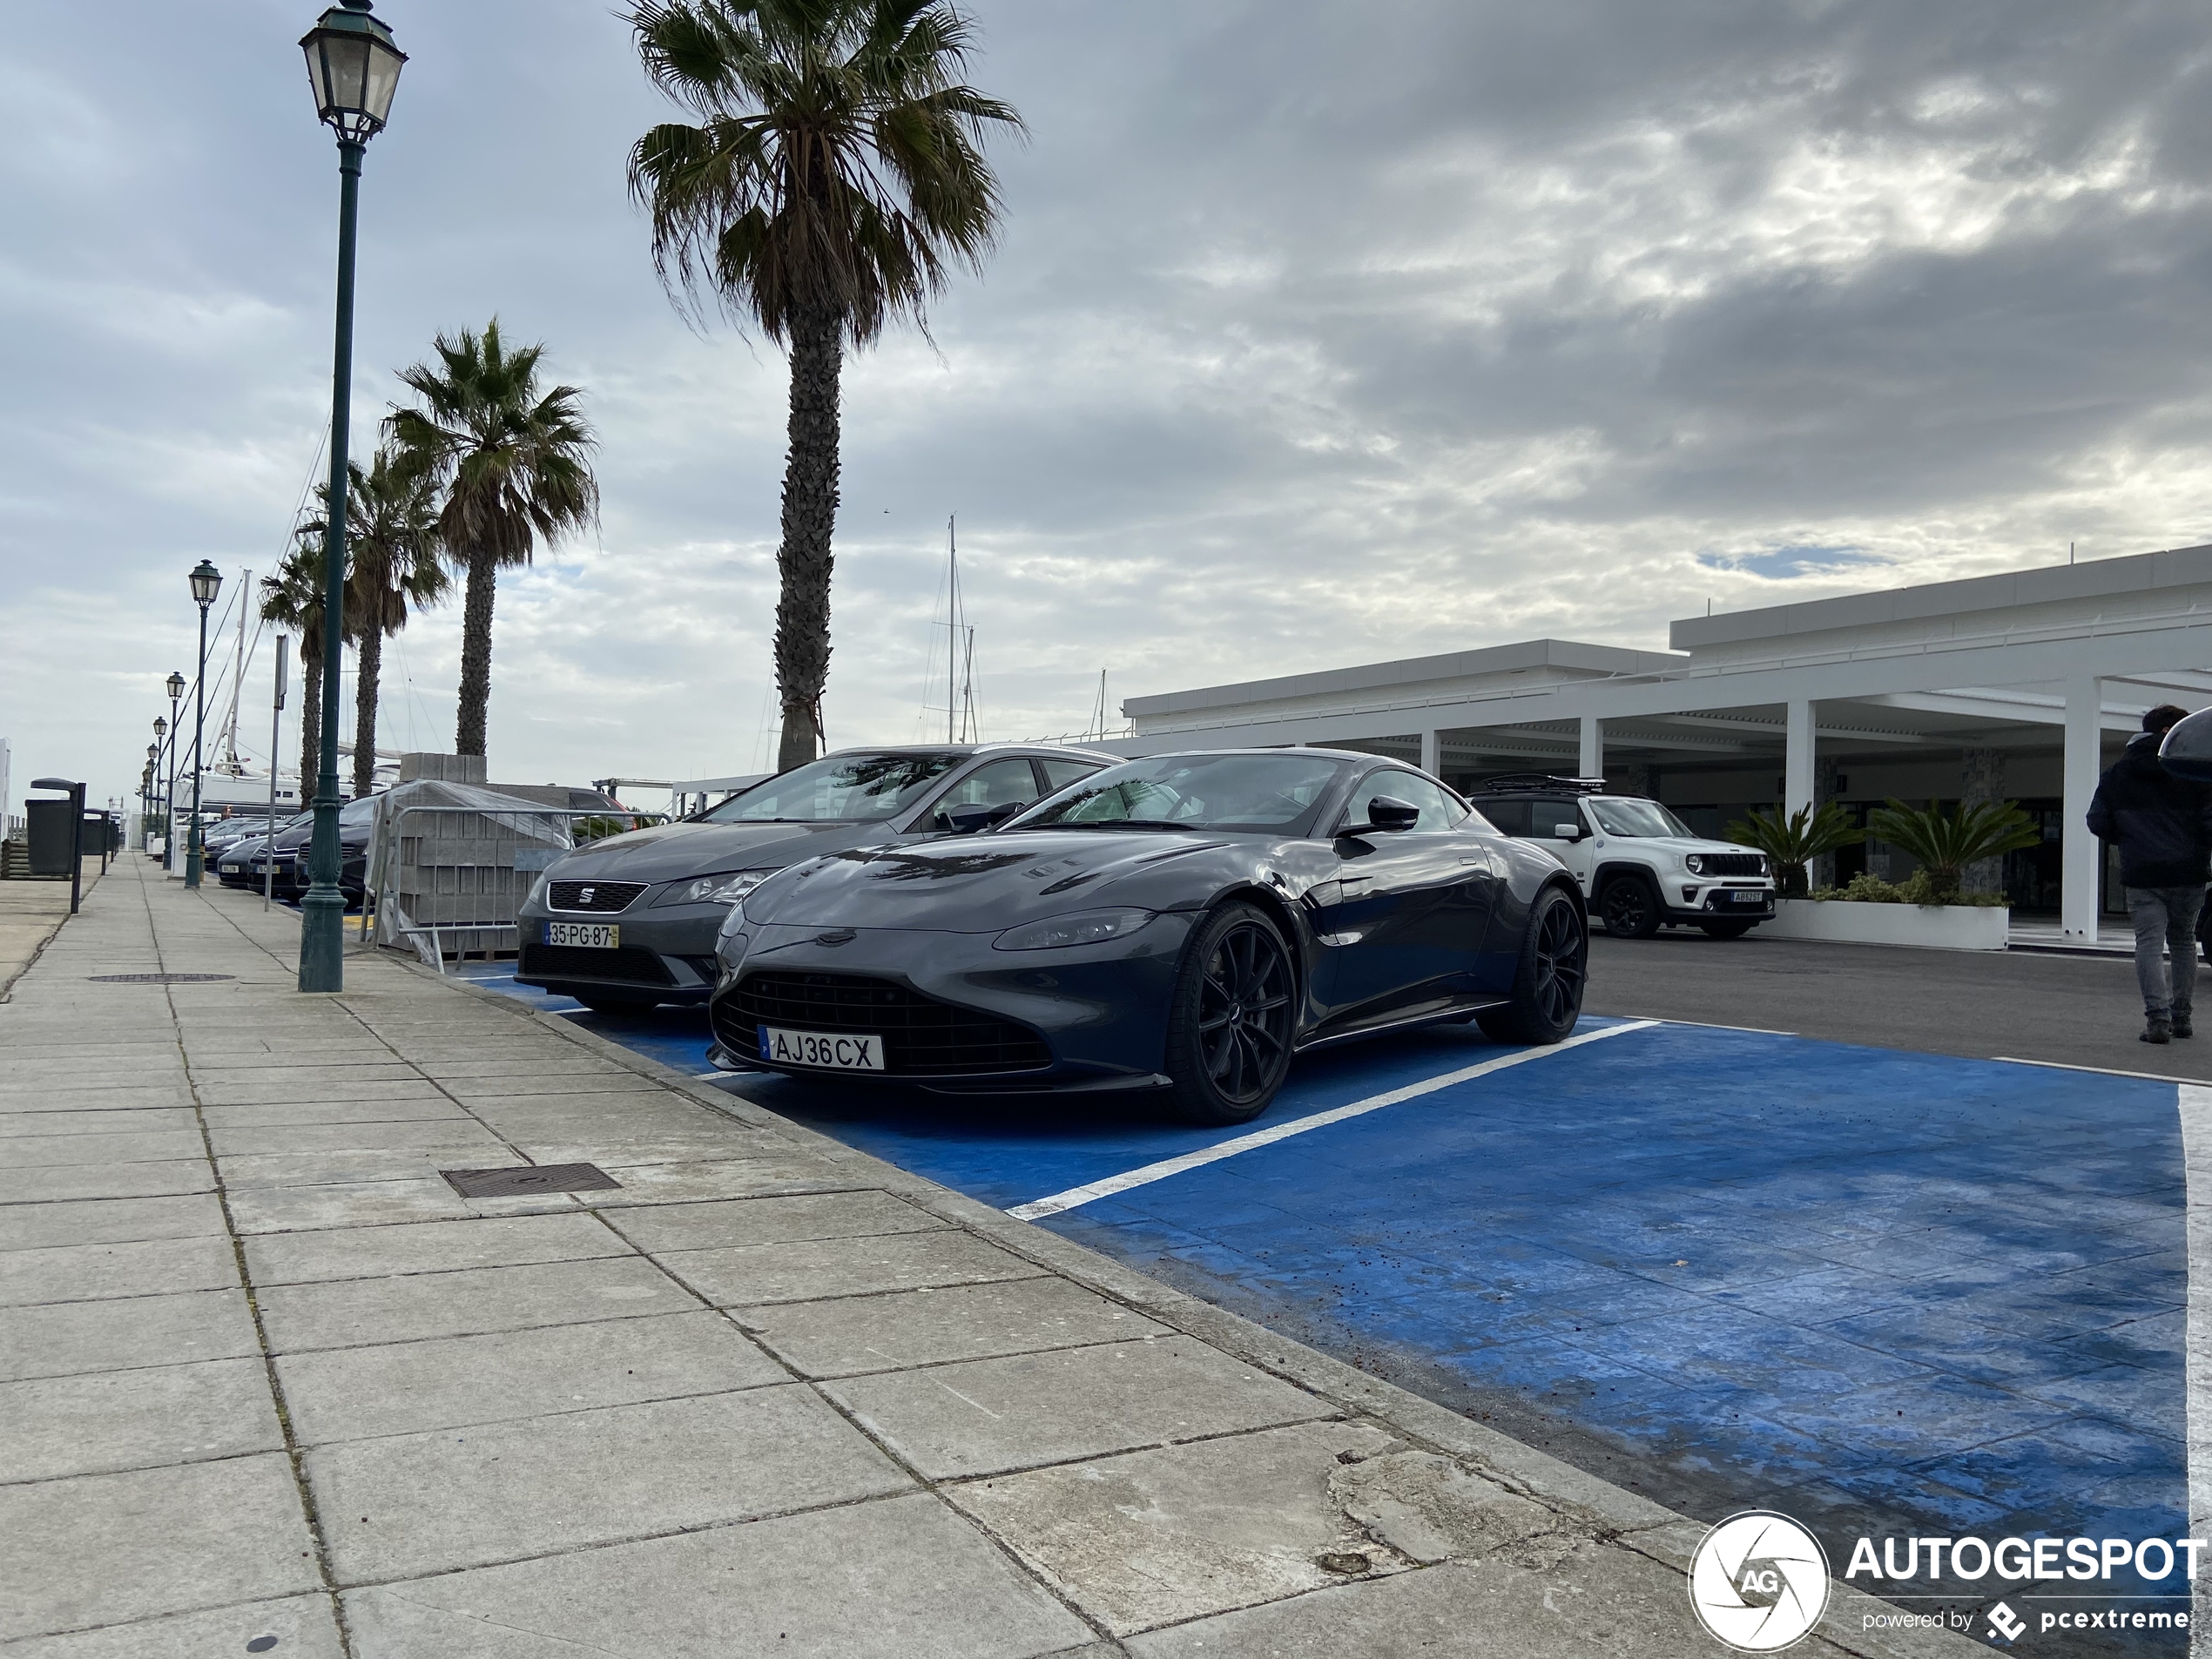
[
  {"x": 1676, "y": 844},
  {"x": 978, "y": 883},
  {"x": 673, "y": 851}
]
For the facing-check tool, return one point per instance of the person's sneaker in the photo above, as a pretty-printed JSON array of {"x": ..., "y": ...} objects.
[
  {"x": 2181, "y": 1026},
  {"x": 2158, "y": 1031}
]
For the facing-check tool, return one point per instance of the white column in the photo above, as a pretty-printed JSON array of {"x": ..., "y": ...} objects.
[
  {"x": 2081, "y": 857},
  {"x": 1798, "y": 756},
  {"x": 1592, "y": 764},
  {"x": 1432, "y": 752}
]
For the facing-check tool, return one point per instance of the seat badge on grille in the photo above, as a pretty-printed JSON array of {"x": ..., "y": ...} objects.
[
  {"x": 585, "y": 897},
  {"x": 837, "y": 936}
]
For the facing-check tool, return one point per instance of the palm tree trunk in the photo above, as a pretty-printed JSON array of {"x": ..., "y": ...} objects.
[
  {"x": 310, "y": 726},
  {"x": 475, "y": 653},
  {"x": 809, "y": 517},
  {"x": 367, "y": 661}
]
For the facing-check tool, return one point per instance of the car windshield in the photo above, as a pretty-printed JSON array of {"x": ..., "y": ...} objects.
[
  {"x": 1633, "y": 817},
  {"x": 837, "y": 789},
  {"x": 1268, "y": 792}
]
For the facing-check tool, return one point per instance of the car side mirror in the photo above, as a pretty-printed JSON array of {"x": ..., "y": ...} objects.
[
  {"x": 1385, "y": 814},
  {"x": 1567, "y": 832},
  {"x": 970, "y": 820}
]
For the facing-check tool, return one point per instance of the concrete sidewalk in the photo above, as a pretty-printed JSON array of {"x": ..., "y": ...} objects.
[
  {"x": 29, "y": 912},
  {"x": 269, "y": 1384}
]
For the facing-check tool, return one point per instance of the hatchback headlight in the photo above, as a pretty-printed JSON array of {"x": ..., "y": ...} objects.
[
  {"x": 1083, "y": 927},
  {"x": 726, "y": 887}
]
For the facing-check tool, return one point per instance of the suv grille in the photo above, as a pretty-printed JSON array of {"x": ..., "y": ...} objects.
[
  {"x": 921, "y": 1037},
  {"x": 632, "y": 963},
  {"x": 605, "y": 896},
  {"x": 1732, "y": 863}
]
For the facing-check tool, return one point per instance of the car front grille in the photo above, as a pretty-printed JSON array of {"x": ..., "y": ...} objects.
[
  {"x": 604, "y": 896},
  {"x": 1732, "y": 864},
  {"x": 632, "y": 964},
  {"x": 922, "y": 1037}
]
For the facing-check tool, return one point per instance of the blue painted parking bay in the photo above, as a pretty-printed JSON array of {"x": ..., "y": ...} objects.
[{"x": 1883, "y": 1292}]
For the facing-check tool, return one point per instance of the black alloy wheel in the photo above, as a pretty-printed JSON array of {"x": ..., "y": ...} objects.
[
  {"x": 1228, "y": 1030},
  {"x": 1554, "y": 968},
  {"x": 1630, "y": 907}
]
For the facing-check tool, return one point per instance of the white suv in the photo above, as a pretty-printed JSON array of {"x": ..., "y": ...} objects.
[{"x": 1639, "y": 868}]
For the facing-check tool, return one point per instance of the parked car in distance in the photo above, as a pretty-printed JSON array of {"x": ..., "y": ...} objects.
[
  {"x": 288, "y": 849},
  {"x": 240, "y": 863},
  {"x": 1184, "y": 922},
  {"x": 1639, "y": 868},
  {"x": 631, "y": 921}
]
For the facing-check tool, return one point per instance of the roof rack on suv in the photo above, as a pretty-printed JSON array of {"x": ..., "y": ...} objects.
[{"x": 1519, "y": 780}]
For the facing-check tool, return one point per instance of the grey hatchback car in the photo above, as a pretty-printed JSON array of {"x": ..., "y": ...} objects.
[{"x": 630, "y": 921}]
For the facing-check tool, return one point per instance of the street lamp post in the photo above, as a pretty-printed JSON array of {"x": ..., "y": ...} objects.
[
  {"x": 160, "y": 731},
  {"x": 169, "y": 799},
  {"x": 146, "y": 788},
  {"x": 353, "y": 68},
  {"x": 207, "y": 583}
]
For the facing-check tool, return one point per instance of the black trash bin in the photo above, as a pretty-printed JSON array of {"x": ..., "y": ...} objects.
[{"x": 53, "y": 832}]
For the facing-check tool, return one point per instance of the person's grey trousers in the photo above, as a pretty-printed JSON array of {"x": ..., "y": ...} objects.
[{"x": 2165, "y": 921}]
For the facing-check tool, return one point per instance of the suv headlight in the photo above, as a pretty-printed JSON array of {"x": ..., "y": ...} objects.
[
  {"x": 1083, "y": 927},
  {"x": 725, "y": 888},
  {"x": 1695, "y": 863}
]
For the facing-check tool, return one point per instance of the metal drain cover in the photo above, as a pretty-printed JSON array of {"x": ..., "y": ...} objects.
[
  {"x": 527, "y": 1179},
  {"x": 158, "y": 979}
]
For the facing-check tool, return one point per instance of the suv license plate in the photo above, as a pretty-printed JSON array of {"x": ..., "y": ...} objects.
[
  {"x": 1748, "y": 898},
  {"x": 592, "y": 935},
  {"x": 826, "y": 1049}
]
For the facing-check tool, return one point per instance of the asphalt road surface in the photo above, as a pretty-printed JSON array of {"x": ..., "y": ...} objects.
[{"x": 2066, "y": 1010}]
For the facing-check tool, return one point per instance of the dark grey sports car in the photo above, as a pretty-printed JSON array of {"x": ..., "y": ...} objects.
[
  {"x": 1185, "y": 922},
  {"x": 631, "y": 921}
]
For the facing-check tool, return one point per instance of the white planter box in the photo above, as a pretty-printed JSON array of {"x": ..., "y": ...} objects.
[{"x": 1846, "y": 921}]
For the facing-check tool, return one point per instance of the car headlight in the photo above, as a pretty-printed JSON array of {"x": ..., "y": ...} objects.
[
  {"x": 725, "y": 888},
  {"x": 537, "y": 888},
  {"x": 1695, "y": 863},
  {"x": 1083, "y": 927}
]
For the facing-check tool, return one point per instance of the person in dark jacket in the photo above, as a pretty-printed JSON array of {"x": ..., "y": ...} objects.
[{"x": 2163, "y": 826}]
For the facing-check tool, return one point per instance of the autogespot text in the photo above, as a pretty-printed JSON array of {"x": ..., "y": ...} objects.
[{"x": 2025, "y": 1560}]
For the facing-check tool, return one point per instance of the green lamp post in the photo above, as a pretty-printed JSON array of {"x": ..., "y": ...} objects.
[
  {"x": 169, "y": 799},
  {"x": 353, "y": 68},
  {"x": 207, "y": 583}
]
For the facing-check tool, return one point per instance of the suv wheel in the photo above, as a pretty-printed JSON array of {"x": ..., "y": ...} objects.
[{"x": 1630, "y": 907}]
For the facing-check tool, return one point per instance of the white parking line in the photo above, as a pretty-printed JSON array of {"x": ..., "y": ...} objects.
[
  {"x": 2102, "y": 1071},
  {"x": 1708, "y": 1025},
  {"x": 1075, "y": 1196}
]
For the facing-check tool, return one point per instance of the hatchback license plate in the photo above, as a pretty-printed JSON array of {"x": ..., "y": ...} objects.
[
  {"x": 592, "y": 935},
  {"x": 826, "y": 1051}
]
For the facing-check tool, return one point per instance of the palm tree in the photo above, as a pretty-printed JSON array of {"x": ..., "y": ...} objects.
[
  {"x": 514, "y": 467},
  {"x": 1792, "y": 843},
  {"x": 836, "y": 172},
  {"x": 391, "y": 567},
  {"x": 1947, "y": 844},
  {"x": 293, "y": 598}
]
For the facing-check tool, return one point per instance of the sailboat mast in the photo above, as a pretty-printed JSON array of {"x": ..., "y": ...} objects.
[
  {"x": 237, "y": 677},
  {"x": 952, "y": 621}
]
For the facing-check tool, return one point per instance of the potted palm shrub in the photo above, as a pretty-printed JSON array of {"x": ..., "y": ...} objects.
[
  {"x": 1792, "y": 843},
  {"x": 1928, "y": 908}
]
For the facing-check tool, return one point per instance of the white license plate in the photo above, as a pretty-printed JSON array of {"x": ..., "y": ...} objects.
[
  {"x": 592, "y": 935},
  {"x": 824, "y": 1049},
  {"x": 1748, "y": 898}
]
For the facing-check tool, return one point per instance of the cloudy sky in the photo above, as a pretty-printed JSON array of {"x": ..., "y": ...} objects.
[{"x": 1319, "y": 334}]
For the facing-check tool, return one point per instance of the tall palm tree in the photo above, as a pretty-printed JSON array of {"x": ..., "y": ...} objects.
[
  {"x": 514, "y": 467},
  {"x": 836, "y": 172},
  {"x": 392, "y": 567},
  {"x": 293, "y": 598}
]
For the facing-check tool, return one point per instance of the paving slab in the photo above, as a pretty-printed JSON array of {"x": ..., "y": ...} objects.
[
  {"x": 245, "y": 1171},
  {"x": 110, "y": 1221},
  {"x": 300, "y": 1627},
  {"x": 316, "y": 1089},
  {"x": 989, "y": 1415},
  {"x": 57, "y": 1182},
  {"x": 133, "y": 1146},
  {"x": 773, "y": 1221},
  {"x": 91, "y": 1423},
  {"x": 105, "y": 1548},
  {"x": 62, "y": 1338},
  {"x": 430, "y": 1247},
  {"x": 279, "y": 1114},
  {"x": 850, "y": 1335},
  {"x": 353, "y": 1394},
  {"x": 851, "y": 1583},
  {"x": 1154, "y": 1538},
  {"x": 506, "y": 1491},
  {"x": 114, "y": 1097},
  {"x": 359, "y": 1312},
  {"x": 296, "y": 1140},
  {"x": 811, "y": 1269},
  {"x": 48, "y": 1122},
  {"x": 83, "y": 1273},
  {"x": 769, "y": 1172},
  {"x": 369, "y": 1204}
]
